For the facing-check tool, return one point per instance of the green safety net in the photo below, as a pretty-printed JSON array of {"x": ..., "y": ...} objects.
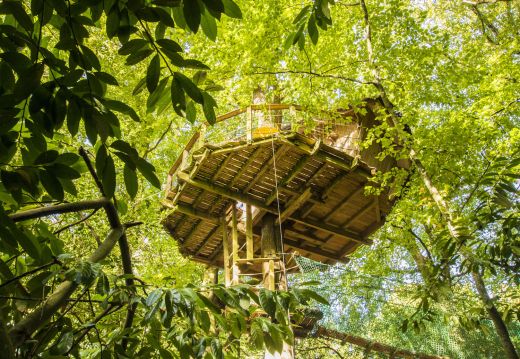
[{"x": 374, "y": 308}]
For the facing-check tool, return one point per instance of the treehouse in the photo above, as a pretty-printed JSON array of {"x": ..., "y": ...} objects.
[{"x": 270, "y": 180}]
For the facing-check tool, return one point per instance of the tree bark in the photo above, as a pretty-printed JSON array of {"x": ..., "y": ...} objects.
[
  {"x": 500, "y": 326},
  {"x": 58, "y": 209}
]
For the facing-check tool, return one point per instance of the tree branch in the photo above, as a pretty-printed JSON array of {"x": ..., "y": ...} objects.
[
  {"x": 126, "y": 259},
  {"x": 312, "y": 73},
  {"x": 59, "y": 209},
  {"x": 23, "y": 330},
  {"x": 148, "y": 150}
]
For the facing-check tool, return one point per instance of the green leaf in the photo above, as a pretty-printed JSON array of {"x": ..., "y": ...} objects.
[
  {"x": 132, "y": 46},
  {"x": 130, "y": 181},
  {"x": 153, "y": 73},
  {"x": 90, "y": 58},
  {"x": 148, "y": 171},
  {"x": 46, "y": 157},
  {"x": 51, "y": 184},
  {"x": 208, "y": 108},
  {"x": 231, "y": 9},
  {"x": 28, "y": 81},
  {"x": 191, "y": 11},
  {"x": 267, "y": 302},
  {"x": 138, "y": 56},
  {"x": 106, "y": 78},
  {"x": 122, "y": 108},
  {"x": 63, "y": 344},
  {"x": 153, "y": 297},
  {"x": 108, "y": 177},
  {"x": 209, "y": 26},
  {"x": 16, "y": 9},
  {"x": 189, "y": 87},
  {"x": 177, "y": 97},
  {"x": 169, "y": 45},
  {"x": 63, "y": 171},
  {"x": 312, "y": 29}
]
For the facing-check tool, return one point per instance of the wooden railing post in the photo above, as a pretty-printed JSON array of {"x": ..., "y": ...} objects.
[
  {"x": 249, "y": 232},
  {"x": 249, "y": 124}
]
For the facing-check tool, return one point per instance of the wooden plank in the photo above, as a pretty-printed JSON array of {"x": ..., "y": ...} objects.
[
  {"x": 184, "y": 209},
  {"x": 249, "y": 232},
  {"x": 358, "y": 214},
  {"x": 338, "y": 179},
  {"x": 294, "y": 205},
  {"x": 343, "y": 203},
  {"x": 295, "y": 170},
  {"x": 266, "y": 166},
  {"x": 271, "y": 280},
  {"x": 331, "y": 229},
  {"x": 309, "y": 237},
  {"x": 222, "y": 167},
  {"x": 193, "y": 230},
  {"x": 223, "y": 191},
  {"x": 311, "y": 249},
  {"x": 238, "y": 196},
  {"x": 206, "y": 240},
  {"x": 245, "y": 167}
]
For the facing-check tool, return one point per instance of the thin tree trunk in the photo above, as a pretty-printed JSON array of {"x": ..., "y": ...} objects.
[{"x": 500, "y": 326}]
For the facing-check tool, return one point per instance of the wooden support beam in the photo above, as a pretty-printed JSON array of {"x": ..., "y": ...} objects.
[
  {"x": 237, "y": 196},
  {"x": 311, "y": 249},
  {"x": 193, "y": 230},
  {"x": 222, "y": 167},
  {"x": 335, "y": 181},
  {"x": 358, "y": 214},
  {"x": 249, "y": 232},
  {"x": 266, "y": 166},
  {"x": 223, "y": 191},
  {"x": 331, "y": 229},
  {"x": 190, "y": 211},
  {"x": 294, "y": 205},
  {"x": 343, "y": 203},
  {"x": 206, "y": 240},
  {"x": 234, "y": 244},
  {"x": 225, "y": 244},
  {"x": 306, "y": 236},
  {"x": 289, "y": 177}
]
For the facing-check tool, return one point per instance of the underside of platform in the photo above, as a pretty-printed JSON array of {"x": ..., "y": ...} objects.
[{"x": 316, "y": 191}]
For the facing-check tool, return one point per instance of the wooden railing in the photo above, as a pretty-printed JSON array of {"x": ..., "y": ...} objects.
[{"x": 198, "y": 138}]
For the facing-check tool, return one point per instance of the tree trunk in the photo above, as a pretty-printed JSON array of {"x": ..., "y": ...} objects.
[{"x": 500, "y": 326}]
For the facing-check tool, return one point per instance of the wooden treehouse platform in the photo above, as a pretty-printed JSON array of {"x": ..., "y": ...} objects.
[{"x": 262, "y": 161}]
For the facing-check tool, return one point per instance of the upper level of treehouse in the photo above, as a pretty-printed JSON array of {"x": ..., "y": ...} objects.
[{"x": 308, "y": 169}]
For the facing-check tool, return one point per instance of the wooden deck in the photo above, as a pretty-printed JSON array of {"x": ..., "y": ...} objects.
[{"x": 315, "y": 190}]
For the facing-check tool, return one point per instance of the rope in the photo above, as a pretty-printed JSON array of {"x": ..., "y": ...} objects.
[{"x": 278, "y": 204}]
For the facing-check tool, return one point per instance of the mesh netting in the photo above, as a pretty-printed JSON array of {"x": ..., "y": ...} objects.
[{"x": 374, "y": 308}]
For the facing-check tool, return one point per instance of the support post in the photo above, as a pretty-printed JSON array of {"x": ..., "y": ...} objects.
[
  {"x": 249, "y": 232},
  {"x": 234, "y": 239},
  {"x": 225, "y": 246},
  {"x": 269, "y": 248},
  {"x": 249, "y": 120}
]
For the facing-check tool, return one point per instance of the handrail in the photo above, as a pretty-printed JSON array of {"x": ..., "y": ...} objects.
[
  {"x": 228, "y": 115},
  {"x": 254, "y": 107}
]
